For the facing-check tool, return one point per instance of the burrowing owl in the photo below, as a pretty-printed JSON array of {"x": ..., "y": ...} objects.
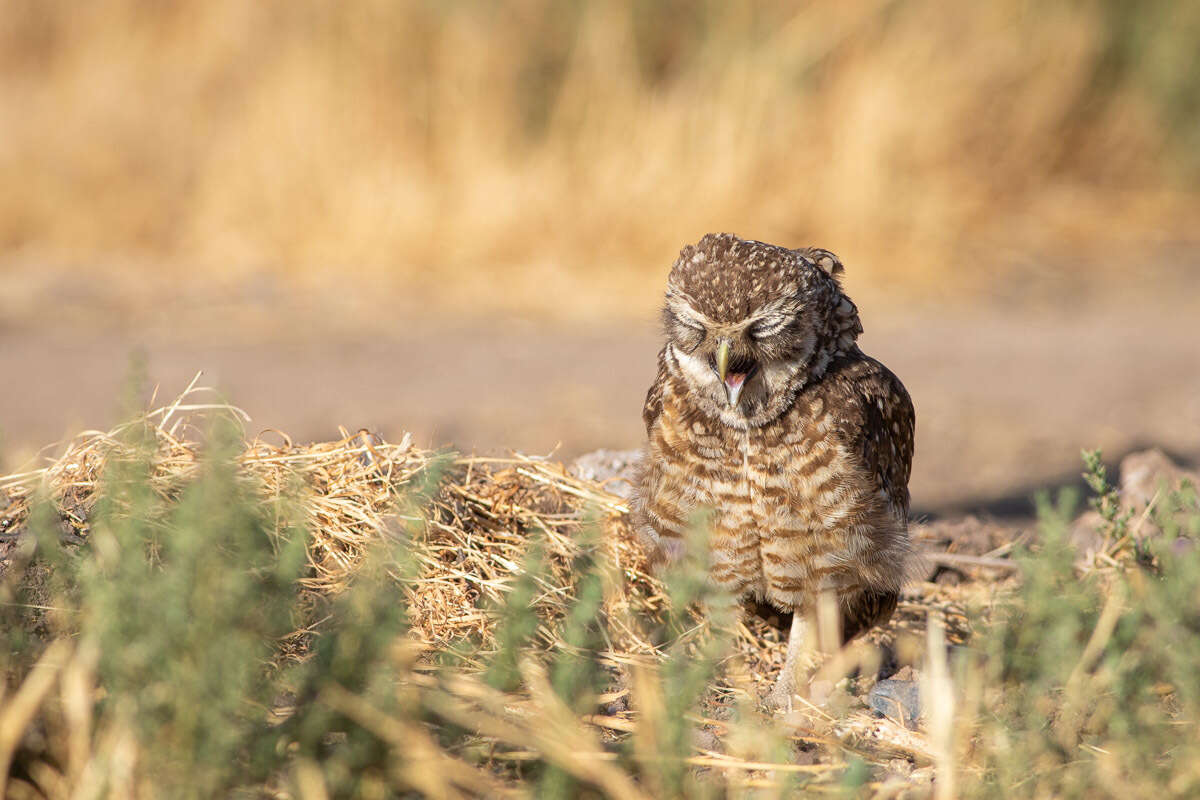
[{"x": 766, "y": 413}]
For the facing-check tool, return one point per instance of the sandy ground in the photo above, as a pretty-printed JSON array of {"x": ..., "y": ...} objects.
[{"x": 1005, "y": 398}]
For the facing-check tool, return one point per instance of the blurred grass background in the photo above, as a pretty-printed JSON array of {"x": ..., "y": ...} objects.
[{"x": 552, "y": 157}]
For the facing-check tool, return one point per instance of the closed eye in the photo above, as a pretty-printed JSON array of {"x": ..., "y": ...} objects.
[
  {"x": 765, "y": 328},
  {"x": 694, "y": 327}
]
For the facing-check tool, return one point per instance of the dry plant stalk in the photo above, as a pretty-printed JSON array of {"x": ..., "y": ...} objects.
[{"x": 792, "y": 121}]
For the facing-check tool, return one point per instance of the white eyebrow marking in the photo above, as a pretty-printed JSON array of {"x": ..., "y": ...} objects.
[{"x": 679, "y": 304}]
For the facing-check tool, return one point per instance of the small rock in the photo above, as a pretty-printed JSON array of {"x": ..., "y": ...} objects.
[
  {"x": 1147, "y": 477},
  {"x": 705, "y": 739},
  {"x": 1145, "y": 474},
  {"x": 618, "y": 706},
  {"x": 1085, "y": 537},
  {"x": 897, "y": 699},
  {"x": 613, "y": 468}
]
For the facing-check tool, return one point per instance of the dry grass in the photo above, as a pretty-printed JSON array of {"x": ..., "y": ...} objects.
[
  {"x": 475, "y": 528},
  {"x": 555, "y": 156},
  {"x": 471, "y": 545},
  {"x": 1066, "y": 687}
]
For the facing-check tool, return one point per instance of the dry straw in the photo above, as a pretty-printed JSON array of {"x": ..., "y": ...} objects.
[{"x": 471, "y": 538}]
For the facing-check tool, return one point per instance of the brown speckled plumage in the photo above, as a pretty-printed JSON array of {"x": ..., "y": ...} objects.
[{"x": 805, "y": 466}]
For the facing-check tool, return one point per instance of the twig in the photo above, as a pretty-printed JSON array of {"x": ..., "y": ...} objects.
[{"x": 964, "y": 560}]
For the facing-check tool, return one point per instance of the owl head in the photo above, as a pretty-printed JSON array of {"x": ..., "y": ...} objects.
[{"x": 748, "y": 324}]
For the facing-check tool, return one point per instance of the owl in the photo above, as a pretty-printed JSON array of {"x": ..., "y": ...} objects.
[{"x": 767, "y": 416}]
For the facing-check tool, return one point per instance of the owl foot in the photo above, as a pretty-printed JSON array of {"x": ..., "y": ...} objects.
[{"x": 782, "y": 696}]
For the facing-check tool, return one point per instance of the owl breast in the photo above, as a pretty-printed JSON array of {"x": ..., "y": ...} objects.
[{"x": 793, "y": 510}]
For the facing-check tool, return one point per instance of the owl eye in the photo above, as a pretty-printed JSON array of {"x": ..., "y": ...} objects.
[
  {"x": 766, "y": 328},
  {"x": 689, "y": 333},
  {"x": 688, "y": 325}
]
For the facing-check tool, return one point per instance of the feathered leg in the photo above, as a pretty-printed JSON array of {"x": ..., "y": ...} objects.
[
  {"x": 780, "y": 696},
  {"x": 865, "y": 610}
]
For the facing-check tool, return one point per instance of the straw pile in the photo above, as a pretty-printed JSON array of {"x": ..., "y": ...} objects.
[{"x": 472, "y": 537}]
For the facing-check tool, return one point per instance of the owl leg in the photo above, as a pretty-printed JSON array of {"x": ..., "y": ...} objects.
[
  {"x": 865, "y": 610},
  {"x": 780, "y": 696}
]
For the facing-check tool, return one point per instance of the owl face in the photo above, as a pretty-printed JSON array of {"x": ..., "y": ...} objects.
[{"x": 748, "y": 324}]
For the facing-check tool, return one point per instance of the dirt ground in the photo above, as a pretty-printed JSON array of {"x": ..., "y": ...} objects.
[{"x": 1005, "y": 398}]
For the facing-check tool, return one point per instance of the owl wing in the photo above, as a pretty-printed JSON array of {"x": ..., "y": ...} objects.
[
  {"x": 652, "y": 409},
  {"x": 877, "y": 422}
]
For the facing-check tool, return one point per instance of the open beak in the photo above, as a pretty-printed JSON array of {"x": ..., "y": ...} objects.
[{"x": 734, "y": 381}]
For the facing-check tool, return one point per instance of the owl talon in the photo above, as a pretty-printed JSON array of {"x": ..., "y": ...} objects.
[{"x": 781, "y": 697}]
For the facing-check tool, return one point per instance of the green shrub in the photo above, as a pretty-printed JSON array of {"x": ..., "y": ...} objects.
[
  {"x": 193, "y": 665},
  {"x": 1089, "y": 679}
]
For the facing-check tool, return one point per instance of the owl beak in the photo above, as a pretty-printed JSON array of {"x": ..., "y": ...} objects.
[
  {"x": 723, "y": 359},
  {"x": 734, "y": 381},
  {"x": 733, "y": 387}
]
